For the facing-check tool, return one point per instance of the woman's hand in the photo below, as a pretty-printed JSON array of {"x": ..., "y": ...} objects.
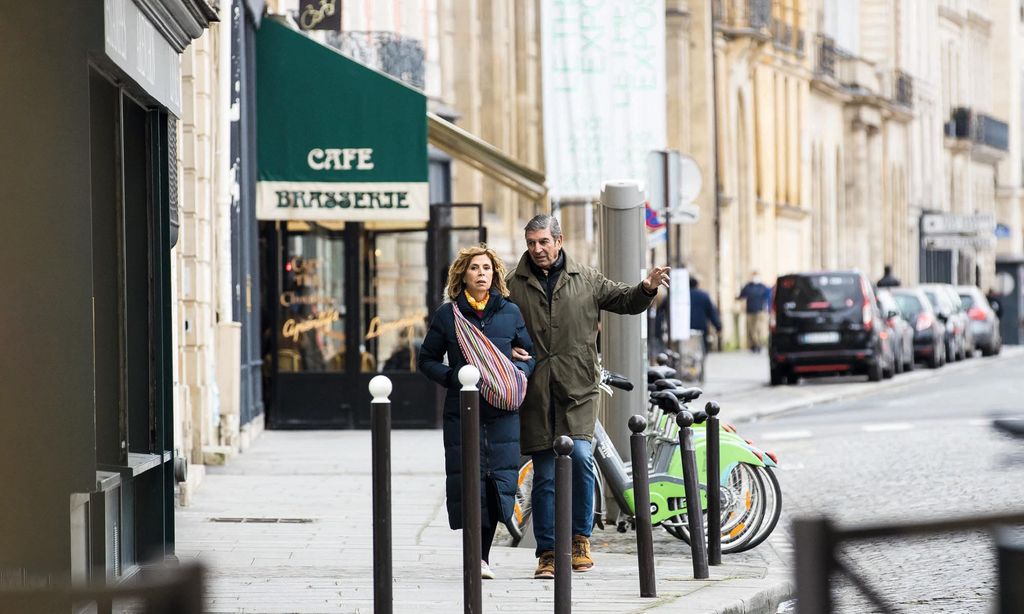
[{"x": 520, "y": 354}]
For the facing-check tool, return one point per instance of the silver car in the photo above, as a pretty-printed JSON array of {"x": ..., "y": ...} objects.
[{"x": 984, "y": 322}]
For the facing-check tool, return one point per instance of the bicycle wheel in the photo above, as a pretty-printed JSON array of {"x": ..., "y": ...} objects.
[
  {"x": 773, "y": 508},
  {"x": 522, "y": 509},
  {"x": 743, "y": 505}
]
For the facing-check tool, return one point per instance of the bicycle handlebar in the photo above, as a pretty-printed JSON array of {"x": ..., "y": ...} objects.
[{"x": 616, "y": 380}]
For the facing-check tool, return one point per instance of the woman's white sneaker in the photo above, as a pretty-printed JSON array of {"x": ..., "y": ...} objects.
[{"x": 485, "y": 571}]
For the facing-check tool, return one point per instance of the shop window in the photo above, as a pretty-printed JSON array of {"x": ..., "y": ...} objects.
[
  {"x": 311, "y": 337},
  {"x": 396, "y": 300}
]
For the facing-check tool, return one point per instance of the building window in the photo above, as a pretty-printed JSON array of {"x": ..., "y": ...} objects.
[
  {"x": 312, "y": 302},
  {"x": 396, "y": 299}
]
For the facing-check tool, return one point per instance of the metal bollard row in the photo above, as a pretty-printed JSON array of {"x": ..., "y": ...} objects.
[{"x": 703, "y": 552}]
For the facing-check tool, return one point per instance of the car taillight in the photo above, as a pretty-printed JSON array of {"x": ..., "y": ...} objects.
[
  {"x": 866, "y": 309},
  {"x": 924, "y": 321},
  {"x": 771, "y": 312},
  {"x": 976, "y": 313}
]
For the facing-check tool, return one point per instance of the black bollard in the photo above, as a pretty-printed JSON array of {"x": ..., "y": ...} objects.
[
  {"x": 469, "y": 408},
  {"x": 642, "y": 507},
  {"x": 380, "y": 451},
  {"x": 714, "y": 485},
  {"x": 694, "y": 517},
  {"x": 563, "y": 525}
]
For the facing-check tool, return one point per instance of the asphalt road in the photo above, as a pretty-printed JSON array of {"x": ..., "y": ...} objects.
[{"x": 920, "y": 451}]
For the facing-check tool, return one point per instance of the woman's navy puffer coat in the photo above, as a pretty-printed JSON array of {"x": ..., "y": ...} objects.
[{"x": 503, "y": 324}]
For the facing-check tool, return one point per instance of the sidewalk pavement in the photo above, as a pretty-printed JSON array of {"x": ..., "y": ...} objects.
[{"x": 286, "y": 527}]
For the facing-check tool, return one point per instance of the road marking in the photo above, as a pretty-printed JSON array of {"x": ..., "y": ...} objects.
[
  {"x": 783, "y": 435},
  {"x": 980, "y": 422},
  {"x": 887, "y": 426}
]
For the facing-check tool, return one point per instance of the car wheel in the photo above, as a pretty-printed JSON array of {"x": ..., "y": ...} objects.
[
  {"x": 875, "y": 372},
  {"x": 777, "y": 378},
  {"x": 898, "y": 365},
  {"x": 909, "y": 365}
]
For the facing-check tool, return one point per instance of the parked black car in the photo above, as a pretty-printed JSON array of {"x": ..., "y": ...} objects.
[
  {"x": 984, "y": 322},
  {"x": 929, "y": 331},
  {"x": 953, "y": 315},
  {"x": 827, "y": 323},
  {"x": 900, "y": 330}
]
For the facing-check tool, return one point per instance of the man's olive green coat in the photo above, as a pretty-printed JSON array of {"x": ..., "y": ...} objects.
[{"x": 564, "y": 337}]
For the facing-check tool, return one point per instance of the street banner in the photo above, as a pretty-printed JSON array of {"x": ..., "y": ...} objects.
[{"x": 604, "y": 91}]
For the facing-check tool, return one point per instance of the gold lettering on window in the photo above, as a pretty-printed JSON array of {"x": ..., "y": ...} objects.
[
  {"x": 293, "y": 328},
  {"x": 378, "y": 327}
]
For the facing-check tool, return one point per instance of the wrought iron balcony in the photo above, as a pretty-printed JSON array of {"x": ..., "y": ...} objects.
[
  {"x": 979, "y": 128},
  {"x": 827, "y": 56},
  {"x": 991, "y": 132},
  {"x": 743, "y": 15},
  {"x": 904, "y": 89},
  {"x": 399, "y": 56}
]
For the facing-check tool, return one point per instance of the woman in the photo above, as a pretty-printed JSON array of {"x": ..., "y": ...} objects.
[{"x": 476, "y": 287}]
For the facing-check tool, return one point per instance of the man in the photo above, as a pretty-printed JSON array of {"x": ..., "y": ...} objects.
[
  {"x": 702, "y": 312},
  {"x": 756, "y": 295},
  {"x": 561, "y": 302},
  {"x": 888, "y": 280}
]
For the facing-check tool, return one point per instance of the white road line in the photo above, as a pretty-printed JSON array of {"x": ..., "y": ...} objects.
[
  {"x": 887, "y": 426},
  {"x": 980, "y": 422},
  {"x": 784, "y": 435}
]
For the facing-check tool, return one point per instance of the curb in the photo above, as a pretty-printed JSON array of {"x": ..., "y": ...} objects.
[{"x": 842, "y": 395}]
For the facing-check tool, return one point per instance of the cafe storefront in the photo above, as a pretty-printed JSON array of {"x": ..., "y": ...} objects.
[{"x": 344, "y": 201}]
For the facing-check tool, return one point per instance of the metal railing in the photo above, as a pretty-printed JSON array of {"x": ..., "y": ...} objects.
[
  {"x": 980, "y": 128},
  {"x": 399, "y": 56},
  {"x": 161, "y": 590},
  {"x": 991, "y": 132},
  {"x": 827, "y": 56},
  {"x": 903, "y": 89},
  {"x": 818, "y": 540},
  {"x": 755, "y": 15}
]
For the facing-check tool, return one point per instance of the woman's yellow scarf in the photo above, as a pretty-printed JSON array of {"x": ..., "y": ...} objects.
[{"x": 477, "y": 305}]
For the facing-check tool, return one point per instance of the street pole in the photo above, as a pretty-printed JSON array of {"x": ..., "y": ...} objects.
[{"x": 623, "y": 344}]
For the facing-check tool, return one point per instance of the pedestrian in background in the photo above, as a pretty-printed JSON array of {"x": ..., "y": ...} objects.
[
  {"x": 888, "y": 280},
  {"x": 702, "y": 313},
  {"x": 757, "y": 297},
  {"x": 561, "y": 302},
  {"x": 476, "y": 288}
]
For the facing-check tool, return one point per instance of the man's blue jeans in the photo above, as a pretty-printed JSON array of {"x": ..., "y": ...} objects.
[{"x": 543, "y": 496}]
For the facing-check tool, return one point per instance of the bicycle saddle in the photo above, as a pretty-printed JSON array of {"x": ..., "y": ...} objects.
[
  {"x": 661, "y": 384},
  {"x": 686, "y": 395},
  {"x": 666, "y": 401},
  {"x": 655, "y": 373}
]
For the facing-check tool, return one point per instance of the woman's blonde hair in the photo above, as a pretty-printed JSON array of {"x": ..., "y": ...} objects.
[{"x": 458, "y": 270}]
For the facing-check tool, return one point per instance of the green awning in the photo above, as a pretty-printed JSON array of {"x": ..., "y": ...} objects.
[{"x": 336, "y": 140}]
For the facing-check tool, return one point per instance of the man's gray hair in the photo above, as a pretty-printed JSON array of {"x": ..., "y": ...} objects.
[{"x": 544, "y": 222}]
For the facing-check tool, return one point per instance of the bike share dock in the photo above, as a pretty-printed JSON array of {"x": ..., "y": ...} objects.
[{"x": 286, "y": 527}]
